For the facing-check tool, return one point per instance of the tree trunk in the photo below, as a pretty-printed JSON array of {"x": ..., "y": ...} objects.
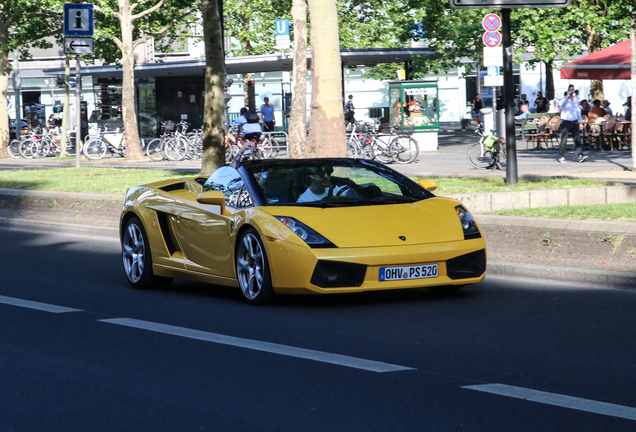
[
  {"x": 593, "y": 45},
  {"x": 632, "y": 37},
  {"x": 128, "y": 111},
  {"x": 213, "y": 148},
  {"x": 549, "y": 80},
  {"x": 297, "y": 145},
  {"x": 5, "y": 70},
  {"x": 327, "y": 134},
  {"x": 247, "y": 77}
]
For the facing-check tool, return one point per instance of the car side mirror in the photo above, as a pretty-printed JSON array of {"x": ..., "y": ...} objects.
[
  {"x": 428, "y": 185},
  {"x": 213, "y": 198}
]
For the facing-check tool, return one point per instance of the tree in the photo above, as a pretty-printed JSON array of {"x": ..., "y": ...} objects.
[
  {"x": 128, "y": 26},
  {"x": 213, "y": 151},
  {"x": 327, "y": 135},
  {"x": 298, "y": 116},
  {"x": 23, "y": 24},
  {"x": 250, "y": 25}
]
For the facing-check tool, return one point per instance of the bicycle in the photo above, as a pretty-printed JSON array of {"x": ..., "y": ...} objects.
[
  {"x": 489, "y": 152},
  {"x": 399, "y": 147},
  {"x": 115, "y": 142},
  {"x": 175, "y": 144},
  {"x": 357, "y": 148}
]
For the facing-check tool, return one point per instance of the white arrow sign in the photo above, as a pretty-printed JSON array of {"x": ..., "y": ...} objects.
[{"x": 78, "y": 45}]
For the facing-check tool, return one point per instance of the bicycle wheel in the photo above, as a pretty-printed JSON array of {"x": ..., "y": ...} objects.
[
  {"x": 381, "y": 151},
  {"x": 25, "y": 148},
  {"x": 95, "y": 149},
  {"x": 501, "y": 156},
  {"x": 175, "y": 149},
  {"x": 275, "y": 147},
  {"x": 478, "y": 158},
  {"x": 70, "y": 146},
  {"x": 154, "y": 150},
  {"x": 352, "y": 150},
  {"x": 13, "y": 148},
  {"x": 404, "y": 149},
  {"x": 265, "y": 146},
  {"x": 39, "y": 148}
]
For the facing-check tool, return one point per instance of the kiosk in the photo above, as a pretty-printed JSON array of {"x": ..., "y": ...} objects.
[{"x": 414, "y": 108}]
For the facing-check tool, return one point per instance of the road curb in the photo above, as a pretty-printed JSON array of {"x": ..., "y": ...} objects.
[
  {"x": 59, "y": 228},
  {"x": 584, "y": 277},
  {"x": 60, "y": 194},
  {"x": 607, "y": 227}
]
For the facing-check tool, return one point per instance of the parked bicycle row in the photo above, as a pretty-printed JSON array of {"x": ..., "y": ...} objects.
[
  {"x": 398, "y": 146},
  {"x": 176, "y": 144}
]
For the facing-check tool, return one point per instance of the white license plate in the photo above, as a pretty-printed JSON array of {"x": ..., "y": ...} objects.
[{"x": 421, "y": 271}]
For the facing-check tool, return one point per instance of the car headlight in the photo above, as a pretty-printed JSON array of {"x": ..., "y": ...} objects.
[
  {"x": 309, "y": 236},
  {"x": 468, "y": 223}
]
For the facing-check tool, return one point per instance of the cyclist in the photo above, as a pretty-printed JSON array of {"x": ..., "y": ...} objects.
[{"x": 249, "y": 124}]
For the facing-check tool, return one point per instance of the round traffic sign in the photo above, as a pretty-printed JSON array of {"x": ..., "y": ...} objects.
[
  {"x": 492, "y": 39},
  {"x": 491, "y": 22}
]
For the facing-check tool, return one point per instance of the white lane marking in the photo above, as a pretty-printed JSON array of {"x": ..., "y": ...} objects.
[
  {"x": 269, "y": 347},
  {"x": 36, "y": 305},
  {"x": 560, "y": 400}
]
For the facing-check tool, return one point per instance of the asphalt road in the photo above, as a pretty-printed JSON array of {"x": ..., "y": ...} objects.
[{"x": 80, "y": 350}]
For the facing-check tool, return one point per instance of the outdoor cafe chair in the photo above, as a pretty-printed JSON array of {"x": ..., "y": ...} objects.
[
  {"x": 609, "y": 135},
  {"x": 536, "y": 132},
  {"x": 553, "y": 133}
]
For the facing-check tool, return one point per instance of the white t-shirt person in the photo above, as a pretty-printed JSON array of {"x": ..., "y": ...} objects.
[{"x": 309, "y": 196}]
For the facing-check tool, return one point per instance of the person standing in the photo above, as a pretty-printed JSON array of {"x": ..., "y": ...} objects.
[
  {"x": 478, "y": 104},
  {"x": 349, "y": 112},
  {"x": 541, "y": 103},
  {"x": 267, "y": 111},
  {"x": 570, "y": 120}
]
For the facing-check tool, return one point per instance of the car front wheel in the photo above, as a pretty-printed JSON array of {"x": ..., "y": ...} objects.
[
  {"x": 137, "y": 259},
  {"x": 252, "y": 269}
]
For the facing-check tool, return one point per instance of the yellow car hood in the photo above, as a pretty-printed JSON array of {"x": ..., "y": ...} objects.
[{"x": 433, "y": 220}]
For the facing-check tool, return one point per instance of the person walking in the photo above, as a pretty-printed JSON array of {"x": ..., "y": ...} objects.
[
  {"x": 267, "y": 111},
  {"x": 570, "y": 120}
]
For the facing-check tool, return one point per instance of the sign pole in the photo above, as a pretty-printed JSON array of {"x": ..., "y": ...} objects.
[
  {"x": 78, "y": 112},
  {"x": 509, "y": 96}
]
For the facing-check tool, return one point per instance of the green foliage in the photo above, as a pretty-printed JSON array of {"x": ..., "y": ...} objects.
[
  {"x": 174, "y": 20},
  {"x": 251, "y": 25},
  {"x": 25, "y": 24},
  {"x": 456, "y": 34},
  {"x": 615, "y": 212}
]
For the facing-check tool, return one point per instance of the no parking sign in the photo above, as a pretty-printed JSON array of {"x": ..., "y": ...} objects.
[{"x": 491, "y": 22}]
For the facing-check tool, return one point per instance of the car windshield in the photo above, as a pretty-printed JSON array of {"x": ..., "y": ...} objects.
[{"x": 332, "y": 183}]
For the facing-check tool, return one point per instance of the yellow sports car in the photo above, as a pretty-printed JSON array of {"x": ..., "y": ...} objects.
[{"x": 300, "y": 226}]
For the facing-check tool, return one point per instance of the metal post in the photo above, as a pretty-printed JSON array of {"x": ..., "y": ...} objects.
[
  {"x": 78, "y": 114},
  {"x": 509, "y": 95}
]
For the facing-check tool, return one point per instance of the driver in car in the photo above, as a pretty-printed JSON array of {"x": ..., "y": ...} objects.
[{"x": 319, "y": 179}]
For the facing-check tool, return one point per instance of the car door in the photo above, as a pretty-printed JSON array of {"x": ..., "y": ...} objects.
[{"x": 204, "y": 234}]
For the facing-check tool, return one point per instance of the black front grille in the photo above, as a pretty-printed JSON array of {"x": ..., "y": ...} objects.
[
  {"x": 467, "y": 266},
  {"x": 336, "y": 274}
]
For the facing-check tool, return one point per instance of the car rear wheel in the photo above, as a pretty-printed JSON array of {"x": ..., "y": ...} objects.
[
  {"x": 137, "y": 259},
  {"x": 252, "y": 269}
]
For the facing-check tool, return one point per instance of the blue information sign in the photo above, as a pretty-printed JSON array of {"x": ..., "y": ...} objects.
[
  {"x": 282, "y": 27},
  {"x": 78, "y": 19}
]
